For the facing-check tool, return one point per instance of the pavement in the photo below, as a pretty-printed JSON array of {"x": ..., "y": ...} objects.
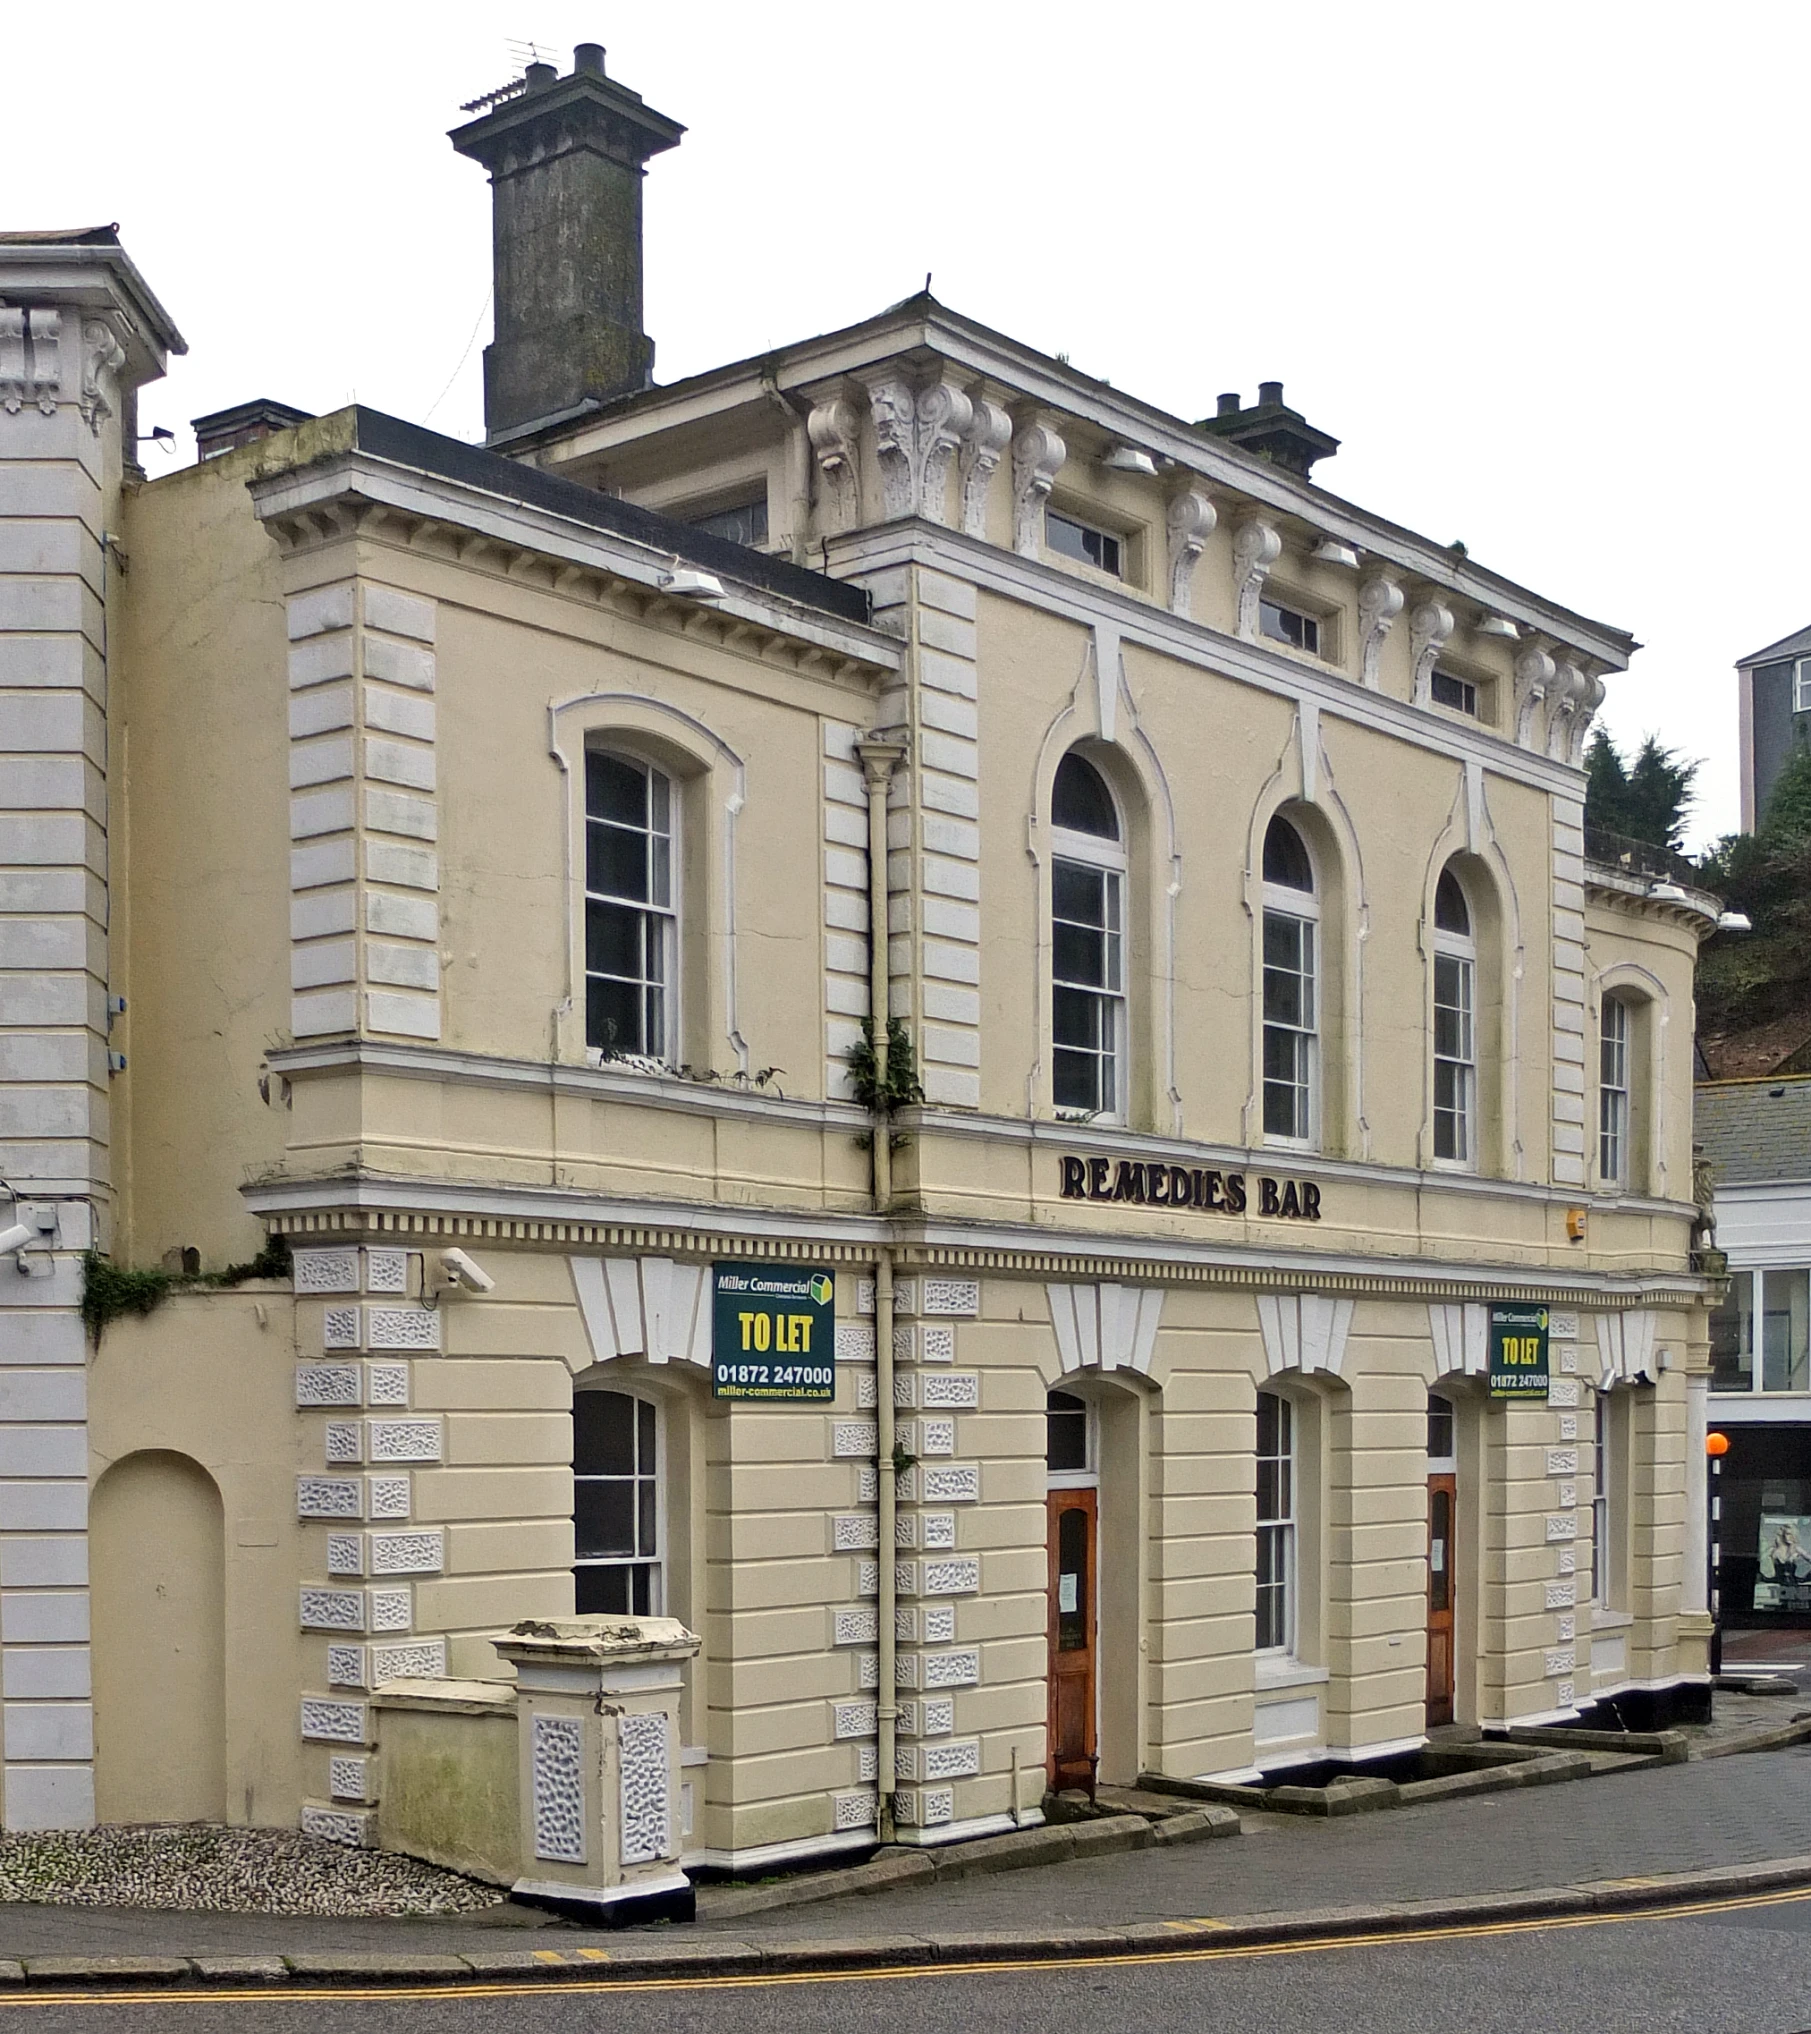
[{"x": 1718, "y": 1827}]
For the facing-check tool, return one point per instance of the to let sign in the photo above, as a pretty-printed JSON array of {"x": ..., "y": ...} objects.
[
  {"x": 773, "y": 1333},
  {"x": 1518, "y": 1352}
]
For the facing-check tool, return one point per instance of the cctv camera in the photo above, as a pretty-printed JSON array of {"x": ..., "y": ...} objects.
[
  {"x": 458, "y": 1269},
  {"x": 16, "y": 1238}
]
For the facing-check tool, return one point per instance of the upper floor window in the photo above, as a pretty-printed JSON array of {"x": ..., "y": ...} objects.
[
  {"x": 1291, "y": 987},
  {"x": 1087, "y": 937},
  {"x": 1069, "y": 1437},
  {"x": 1276, "y": 1563},
  {"x": 1764, "y": 1313},
  {"x": 1455, "y": 1024},
  {"x": 1082, "y": 542},
  {"x": 744, "y": 522},
  {"x": 1451, "y": 690},
  {"x": 616, "y": 1504},
  {"x": 1801, "y": 686},
  {"x": 1613, "y": 1093},
  {"x": 631, "y": 931},
  {"x": 1289, "y": 625}
]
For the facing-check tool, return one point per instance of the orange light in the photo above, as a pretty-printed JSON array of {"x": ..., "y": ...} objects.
[
  {"x": 1575, "y": 1224},
  {"x": 1716, "y": 1444}
]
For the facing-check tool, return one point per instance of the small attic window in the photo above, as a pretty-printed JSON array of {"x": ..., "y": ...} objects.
[
  {"x": 744, "y": 522},
  {"x": 1458, "y": 693},
  {"x": 1082, "y": 542}
]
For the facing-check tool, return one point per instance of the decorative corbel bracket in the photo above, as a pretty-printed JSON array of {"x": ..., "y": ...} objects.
[
  {"x": 1190, "y": 522},
  {"x": 1379, "y": 603},
  {"x": 1430, "y": 630},
  {"x": 834, "y": 429},
  {"x": 1534, "y": 674},
  {"x": 989, "y": 433},
  {"x": 1037, "y": 458},
  {"x": 102, "y": 354},
  {"x": 1255, "y": 549}
]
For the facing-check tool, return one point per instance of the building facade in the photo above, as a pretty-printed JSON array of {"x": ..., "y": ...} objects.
[
  {"x": 1774, "y": 704},
  {"x": 476, "y": 869},
  {"x": 1757, "y": 1136}
]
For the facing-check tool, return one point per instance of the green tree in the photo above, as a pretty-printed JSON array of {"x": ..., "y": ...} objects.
[
  {"x": 1750, "y": 979},
  {"x": 1645, "y": 800}
]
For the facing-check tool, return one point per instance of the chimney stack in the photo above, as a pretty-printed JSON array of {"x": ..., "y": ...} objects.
[{"x": 566, "y": 159}]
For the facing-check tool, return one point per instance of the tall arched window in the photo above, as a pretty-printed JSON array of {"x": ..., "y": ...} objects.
[
  {"x": 1455, "y": 1025},
  {"x": 616, "y": 1504},
  {"x": 1276, "y": 1553},
  {"x": 1613, "y": 1068},
  {"x": 1087, "y": 937},
  {"x": 1291, "y": 988},
  {"x": 631, "y": 926}
]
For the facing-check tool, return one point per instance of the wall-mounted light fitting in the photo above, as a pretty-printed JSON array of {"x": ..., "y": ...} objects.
[
  {"x": 1129, "y": 459},
  {"x": 1498, "y": 625},
  {"x": 1330, "y": 551},
  {"x": 688, "y": 584}
]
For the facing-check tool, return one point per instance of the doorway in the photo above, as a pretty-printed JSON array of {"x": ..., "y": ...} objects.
[
  {"x": 1074, "y": 1548},
  {"x": 1442, "y": 1548}
]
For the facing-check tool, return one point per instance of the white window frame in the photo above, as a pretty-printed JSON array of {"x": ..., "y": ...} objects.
[
  {"x": 1104, "y": 536},
  {"x": 663, "y": 915},
  {"x": 1462, "y": 950},
  {"x": 1615, "y": 1043},
  {"x": 1303, "y": 909},
  {"x": 1088, "y": 1476},
  {"x": 1468, "y": 702},
  {"x": 1108, "y": 857},
  {"x": 656, "y": 1563},
  {"x": 1801, "y": 685},
  {"x": 1609, "y": 1500},
  {"x": 1444, "y": 1465},
  {"x": 1285, "y": 1530},
  {"x": 1310, "y": 620}
]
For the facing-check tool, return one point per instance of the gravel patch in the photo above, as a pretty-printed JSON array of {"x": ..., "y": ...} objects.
[{"x": 203, "y": 1868}]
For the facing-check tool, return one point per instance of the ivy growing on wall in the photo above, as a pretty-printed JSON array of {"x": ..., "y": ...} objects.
[
  {"x": 110, "y": 1290},
  {"x": 902, "y": 1086}
]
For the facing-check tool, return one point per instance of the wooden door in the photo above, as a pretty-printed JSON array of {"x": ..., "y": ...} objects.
[
  {"x": 1442, "y": 1589},
  {"x": 1073, "y": 1631}
]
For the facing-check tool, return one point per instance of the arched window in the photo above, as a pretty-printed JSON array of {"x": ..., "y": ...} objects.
[
  {"x": 1068, "y": 1435},
  {"x": 631, "y": 924},
  {"x": 1276, "y": 1597},
  {"x": 616, "y": 1496},
  {"x": 1291, "y": 987},
  {"x": 1455, "y": 1025},
  {"x": 1087, "y": 937},
  {"x": 1613, "y": 1067}
]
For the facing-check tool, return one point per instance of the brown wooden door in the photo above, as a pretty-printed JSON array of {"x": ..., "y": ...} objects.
[
  {"x": 1073, "y": 1542},
  {"x": 1442, "y": 1587}
]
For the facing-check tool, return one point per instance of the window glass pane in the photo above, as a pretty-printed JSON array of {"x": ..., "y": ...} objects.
[
  {"x": 613, "y": 1015},
  {"x": 1285, "y": 858},
  {"x": 645, "y": 1518},
  {"x": 1451, "y": 912},
  {"x": 644, "y": 1435},
  {"x": 1078, "y": 894},
  {"x": 1080, "y": 801},
  {"x": 1440, "y": 1429},
  {"x": 614, "y": 939},
  {"x": 1458, "y": 693},
  {"x": 603, "y": 1433},
  {"x": 746, "y": 523},
  {"x": 603, "y": 1516},
  {"x": 616, "y": 862},
  {"x": 1785, "y": 1354},
  {"x": 1288, "y": 625},
  {"x": 1732, "y": 1336},
  {"x": 1066, "y": 1431},
  {"x": 1078, "y": 955},
  {"x": 1075, "y": 1080},
  {"x": 602, "y": 1592},
  {"x": 615, "y": 789}
]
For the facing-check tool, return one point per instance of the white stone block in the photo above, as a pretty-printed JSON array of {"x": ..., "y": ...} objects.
[
  {"x": 949, "y": 715},
  {"x": 958, "y": 838},
  {"x": 844, "y": 870},
  {"x": 50, "y": 1797},
  {"x": 403, "y": 918},
  {"x": 41, "y": 892},
  {"x": 949, "y": 794},
  {"x": 949, "y": 1089},
  {"x": 29, "y": 1337},
  {"x": 321, "y": 608},
  {"x": 318, "y": 812},
  {"x": 44, "y": 1506},
  {"x": 324, "y": 761},
  {"x": 49, "y": 1730},
  {"x": 34, "y": 839},
  {"x": 319, "y": 712},
  {"x": 58, "y": 1056},
  {"x": 951, "y": 1047},
  {"x": 410, "y": 868},
  {"x": 396, "y": 812},
  {"x": 333, "y": 861},
  {"x": 399, "y": 713},
  {"x": 839, "y": 740},
  {"x": 844, "y": 785},
  {"x": 330, "y": 1010},
  {"x": 319, "y": 661},
  {"x": 42, "y": 1395},
  {"x": 392, "y": 762},
  {"x": 45, "y": 1673},
  {"x": 847, "y": 995},
  {"x": 947, "y": 918},
  {"x": 45, "y": 1112},
  {"x": 51, "y": 660},
  {"x": 406, "y": 967},
  {"x": 314, "y": 967},
  {"x": 399, "y": 613},
  {"x": 405, "y": 1016},
  {"x": 44, "y": 784},
  {"x": 37, "y": 1617},
  {"x": 945, "y": 632},
  {"x": 845, "y": 827},
  {"x": 43, "y": 721},
  {"x": 317, "y": 914},
  {"x": 952, "y": 596},
  {"x": 46, "y": 1563}
]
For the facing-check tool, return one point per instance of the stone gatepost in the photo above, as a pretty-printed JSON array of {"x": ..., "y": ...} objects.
[{"x": 598, "y": 1718}]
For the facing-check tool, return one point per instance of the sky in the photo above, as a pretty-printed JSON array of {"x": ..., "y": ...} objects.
[{"x": 1540, "y": 267}]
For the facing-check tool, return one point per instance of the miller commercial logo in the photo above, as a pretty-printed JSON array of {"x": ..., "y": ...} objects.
[{"x": 1154, "y": 1185}]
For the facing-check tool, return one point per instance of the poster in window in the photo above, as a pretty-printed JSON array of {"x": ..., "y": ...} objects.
[
  {"x": 1518, "y": 1352},
  {"x": 1784, "y": 1580},
  {"x": 773, "y": 1333}
]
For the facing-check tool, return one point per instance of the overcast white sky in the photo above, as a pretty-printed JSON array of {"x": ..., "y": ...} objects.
[{"x": 1541, "y": 267}]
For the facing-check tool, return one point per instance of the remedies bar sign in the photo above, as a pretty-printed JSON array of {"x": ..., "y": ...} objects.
[
  {"x": 1518, "y": 1352},
  {"x": 773, "y": 1333}
]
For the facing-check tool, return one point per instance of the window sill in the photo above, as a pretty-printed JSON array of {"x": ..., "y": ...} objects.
[
  {"x": 1612, "y": 1620},
  {"x": 1271, "y": 1671}
]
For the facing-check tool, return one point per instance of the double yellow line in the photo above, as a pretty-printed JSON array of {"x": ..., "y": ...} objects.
[{"x": 600, "y": 1959}]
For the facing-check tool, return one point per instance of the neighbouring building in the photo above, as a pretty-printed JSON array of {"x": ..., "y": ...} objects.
[
  {"x": 456, "y": 863},
  {"x": 1774, "y": 702},
  {"x": 1757, "y": 1136}
]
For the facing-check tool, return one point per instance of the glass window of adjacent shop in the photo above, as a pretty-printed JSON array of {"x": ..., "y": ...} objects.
[
  {"x": 1455, "y": 1025},
  {"x": 1760, "y": 1333},
  {"x": 631, "y": 927},
  {"x": 1291, "y": 987},
  {"x": 616, "y": 1504},
  {"x": 1276, "y": 1524},
  {"x": 1087, "y": 939}
]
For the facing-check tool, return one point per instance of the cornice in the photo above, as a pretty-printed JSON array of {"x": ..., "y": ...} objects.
[
  {"x": 355, "y": 492},
  {"x": 922, "y": 332},
  {"x": 1060, "y": 593},
  {"x": 391, "y": 1209}
]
